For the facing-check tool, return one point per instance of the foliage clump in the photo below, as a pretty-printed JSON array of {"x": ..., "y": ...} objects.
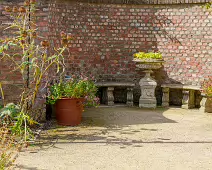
[
  {"x": 33, "y": 57},
  {"x": 75, "y": 87},
  {"x": 207, "y": 87},
  {"x": 147, "y": 56}
]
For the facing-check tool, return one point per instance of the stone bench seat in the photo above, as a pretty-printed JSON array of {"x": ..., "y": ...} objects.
[
  {"x": 188, "y": 101},
  {"x": 109, "y": 88}
]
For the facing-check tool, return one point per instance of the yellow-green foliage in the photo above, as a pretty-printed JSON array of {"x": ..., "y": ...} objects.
[
  {"x": 150, "y": 55},
  {"x": 207, "y": 87}
]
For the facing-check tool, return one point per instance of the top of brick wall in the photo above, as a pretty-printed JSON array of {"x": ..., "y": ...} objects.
[{"x": 146, "y": 1}]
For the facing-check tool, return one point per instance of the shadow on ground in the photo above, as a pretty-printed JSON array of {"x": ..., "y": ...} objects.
[
  {"x": 123, "y": 116},
  {"x": 106, "y": 125}
]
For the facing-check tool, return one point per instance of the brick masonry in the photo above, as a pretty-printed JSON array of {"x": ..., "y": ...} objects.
[{"x": 107, "y": 36}]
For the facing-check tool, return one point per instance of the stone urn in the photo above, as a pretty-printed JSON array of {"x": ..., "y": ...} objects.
[{"x": 148, "y": 84}]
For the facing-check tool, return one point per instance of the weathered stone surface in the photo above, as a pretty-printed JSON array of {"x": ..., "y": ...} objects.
[
  {"x": 202, "y": 103},
  {"x": 208, "y": 105},
  {"x": 115, "y": 84},
  {"x": 165, "y": 98},
  {"x": 181, "y": 86},
  {"x": 110, "y": 97},
  {"x": 189, "y": 100},
  {"x": 147, "y": 85},
  {"x": 130, "y": 96},
  {"x": 108, "y": 91}
]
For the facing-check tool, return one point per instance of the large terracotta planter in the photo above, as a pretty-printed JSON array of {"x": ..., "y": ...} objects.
[{"x": 69, "y": 111}]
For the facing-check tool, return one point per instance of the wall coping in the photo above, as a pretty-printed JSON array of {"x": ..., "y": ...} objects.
[{"x": 150, "y": 2}]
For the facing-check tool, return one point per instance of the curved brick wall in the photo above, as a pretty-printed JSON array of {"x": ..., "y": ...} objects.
[{"x": 107, "y": 35}]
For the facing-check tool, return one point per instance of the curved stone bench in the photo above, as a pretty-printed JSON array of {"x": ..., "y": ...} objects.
[
  {"x": 188, "y": 94},
  {"x": 110, "y": 88}
]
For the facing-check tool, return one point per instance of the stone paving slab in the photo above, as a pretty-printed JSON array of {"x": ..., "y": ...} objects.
[{"x": 125, "y": 138}]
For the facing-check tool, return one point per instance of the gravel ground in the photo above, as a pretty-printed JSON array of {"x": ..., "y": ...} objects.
[{"x": 126, "y": 139}]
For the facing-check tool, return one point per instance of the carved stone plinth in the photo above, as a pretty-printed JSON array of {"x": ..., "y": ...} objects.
[
  {"x": 130, "y": 96},
  {"x": 110, "y": 97},
  {"x": 165, "y": 98},
  {"x": 148, "y": 85}
]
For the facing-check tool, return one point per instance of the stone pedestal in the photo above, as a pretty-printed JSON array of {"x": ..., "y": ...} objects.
[
  {"x": 148, "y": 85},
  {"x": 129, "y": 96},
  {"x": 110, "y": 97},
  {"x": 165, "y": 98}
]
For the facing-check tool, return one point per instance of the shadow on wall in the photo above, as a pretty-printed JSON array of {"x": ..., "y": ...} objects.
[{"x": 108, "y": 35}]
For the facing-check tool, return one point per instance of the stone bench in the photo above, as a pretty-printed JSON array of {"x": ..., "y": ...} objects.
[
  {"x": 108, "y": 93},
  {"x": 188, "y": 101}
]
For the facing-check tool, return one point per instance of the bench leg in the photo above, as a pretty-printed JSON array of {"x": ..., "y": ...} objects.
[
  {"x": 191, "y": 102},
  {"x": 188, "y": 99},
  {"x": 165, "y": 98},
  {"x": 110, "y": 97},
  {"x": 185, "y": 99},
  {"x": 129, "y": 96},
  {"x": 202, "y": 103}
]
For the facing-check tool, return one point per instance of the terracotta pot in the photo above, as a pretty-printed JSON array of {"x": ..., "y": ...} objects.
[{"x": 69, "y": 111}]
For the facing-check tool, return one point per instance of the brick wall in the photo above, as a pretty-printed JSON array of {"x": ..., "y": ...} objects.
[
  {"x": 107, "y": 35},
  {"x": 11, "y": 80}
]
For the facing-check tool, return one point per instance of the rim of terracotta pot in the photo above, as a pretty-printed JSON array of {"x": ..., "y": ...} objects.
[{"x": 71, "y": 98}]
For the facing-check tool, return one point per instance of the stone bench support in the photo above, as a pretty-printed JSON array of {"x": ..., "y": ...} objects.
[
  {"x": 110, "y": 88},
  {"x": 203, "y": 102},
  {"x": 165, "y": 99},
  {"x": 188, "y": 101},
  {"x": 110, "y": 97}
]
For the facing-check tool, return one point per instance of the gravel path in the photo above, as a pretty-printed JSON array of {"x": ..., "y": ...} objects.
[{"x": 126, "y": 139}]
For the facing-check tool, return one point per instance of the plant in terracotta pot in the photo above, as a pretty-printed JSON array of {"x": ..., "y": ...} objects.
[
  {"x": 207, "y": 95},
  {"x": 70, "y": 96}
]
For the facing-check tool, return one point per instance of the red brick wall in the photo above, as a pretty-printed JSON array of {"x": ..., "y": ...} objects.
[
  {"x": 12, "y": 80},
  {"x": 106, "y": 36}
]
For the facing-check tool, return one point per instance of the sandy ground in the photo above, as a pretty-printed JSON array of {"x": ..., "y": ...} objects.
[{"x": 125, "y": 138}]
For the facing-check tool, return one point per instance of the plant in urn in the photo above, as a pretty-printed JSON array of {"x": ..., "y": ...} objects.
[{"x": 148, "y": 62}]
